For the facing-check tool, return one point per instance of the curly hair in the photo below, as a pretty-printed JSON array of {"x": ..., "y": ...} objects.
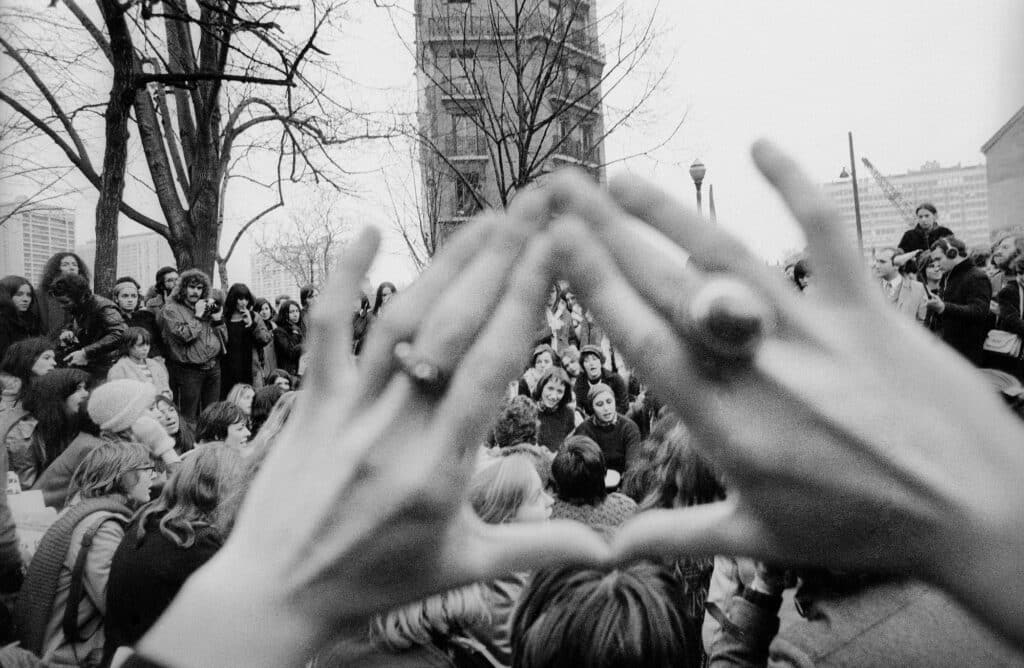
[
  {"x": 676, "y": 475},
  {"x": 517, "y": 423},
  {"x": 52, "y": 270}
]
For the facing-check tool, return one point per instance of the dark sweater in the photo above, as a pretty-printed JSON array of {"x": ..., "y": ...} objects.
[
  {"x": 917, "y": 239},
  {"x": 620, "y": 441},
  {"x": 145, "y": 575},
  {"x": 555, "y": 426},
  {"x": 609, "y": 378},
  {"x": 965, "y": 320}
]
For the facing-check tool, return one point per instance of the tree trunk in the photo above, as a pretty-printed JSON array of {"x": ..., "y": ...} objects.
[{"x": 115, "y": 156}]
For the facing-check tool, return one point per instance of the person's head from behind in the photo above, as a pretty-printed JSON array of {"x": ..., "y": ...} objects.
[
  {"x": 927, "y": 215},
  {"x": 679, "y": 475},
  {"x": 126, "y": 294},
  {"x": 578, "y": 472},
  {"x": 947, "y": 253},
  {"x": 17, "y": 297},
  {"x": 517, "y": 423},
  {"x": 882, "y": 263},
  {"x": 71, "y": 291},
  {"x": 222, "y": 421},
  {"x": 114, "y": 468},
  {"x": 241, "y": 395},
  {"x": 509, "y": 489},
  {"x": 553, "y": 389},
  {"x": 263, "y": 403},
  {"x": 201, "y": 492},
  {"x": 625, "y": 617},
  {"x": 417, "y": 624}
]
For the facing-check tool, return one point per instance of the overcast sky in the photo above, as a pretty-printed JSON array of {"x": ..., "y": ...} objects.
[{"x": 915, "y": 80}]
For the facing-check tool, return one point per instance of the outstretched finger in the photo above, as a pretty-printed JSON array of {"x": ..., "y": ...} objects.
[
  {"x": 838, "y": 266},
  {"x": 329, "y": 337},
  {"x": 497, "y": 356},
  {"x": 706, "y": 529}
]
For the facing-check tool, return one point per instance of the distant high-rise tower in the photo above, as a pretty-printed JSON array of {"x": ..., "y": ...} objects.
[
  {"x": 28, "y": 238},
  {"x": 509, "y": 90},
  {"x": 138, "y": 256},
  {"x": 959, "y": 193},
  {"x": 1004, "y": 165}
]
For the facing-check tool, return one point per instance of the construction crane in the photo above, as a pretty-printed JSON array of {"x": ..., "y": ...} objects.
[{"x": 894, "y": 195}]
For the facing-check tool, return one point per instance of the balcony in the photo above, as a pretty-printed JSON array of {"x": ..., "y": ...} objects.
[
  {"x": 572, "y": 150},
  {"x": 465, "y": 147},
  {"x": 469, "y": 27},
  {"x": 578, "y": 95}
]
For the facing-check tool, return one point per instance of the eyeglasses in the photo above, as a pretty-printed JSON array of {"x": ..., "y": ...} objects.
[{"x": 142, "y": 468}]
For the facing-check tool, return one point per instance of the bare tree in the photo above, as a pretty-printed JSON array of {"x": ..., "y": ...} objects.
[
  {"x": 198, "y": 81},
  {"x": 414, "y": 195},
  {"x": 512, "y": 89},
  {"x": 309, "y": 246}
]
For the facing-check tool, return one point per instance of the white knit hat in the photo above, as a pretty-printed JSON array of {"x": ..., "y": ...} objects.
[{"x": 117, "y": 404}]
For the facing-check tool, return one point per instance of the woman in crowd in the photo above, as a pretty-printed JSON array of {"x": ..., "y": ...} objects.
[
  {"x": 385, "y": 293},
  {"x": 128, "y": 298},
  {"x": 246, "y": 336},
  {"x": 553, "y": 396},
  {"x": 63, "y": 602},
  {"x": 507, "y": 490},
  {"x": 308, "y": 294},
  {"x": 616, "y": 434},
  {"x": 242, "y": 396},
  {"x": 176, "y": 428},
  {"x": 578, "y": 477},
  {"x": 223, "y": 421},
  {"x": 594, "y": 372},
  {"x": 361, "y": 318},
  {"x": 1008, "y": 312},
  {"x": 47, "y": 422},
  {"x": 264, "y": 358},
  {"x": 60, "y": 264},
  {"x": 23, "y": 361},
  {"x": 137, "y": 363},
  {"x": 19, "y": 312},
  {"x": 543, "y": 359},
  {"x": 169, "y": 540},
  {"x": 288, "y": 336}
]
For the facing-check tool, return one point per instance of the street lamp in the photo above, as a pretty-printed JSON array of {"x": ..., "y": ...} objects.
[
  {"x": 697, "y": 172},
  {"x": 856, "y": 194}
]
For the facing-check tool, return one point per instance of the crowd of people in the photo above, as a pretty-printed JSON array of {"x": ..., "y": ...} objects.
[{"x": 638, "y": 497}]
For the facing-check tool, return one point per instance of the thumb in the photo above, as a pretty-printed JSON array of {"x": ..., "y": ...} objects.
[
  {"x": 526, "y": 546},
  {"x": 709, "y": 529}
]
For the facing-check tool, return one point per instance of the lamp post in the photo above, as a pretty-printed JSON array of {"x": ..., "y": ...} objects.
[
  {"x": 856, "y": 194},
  {"x": 697, "y": 172}
]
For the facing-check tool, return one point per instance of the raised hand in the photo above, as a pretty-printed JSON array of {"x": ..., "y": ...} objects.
[
  {"x": 849, "y": 437},
  {"x": 375, "y": 462}
]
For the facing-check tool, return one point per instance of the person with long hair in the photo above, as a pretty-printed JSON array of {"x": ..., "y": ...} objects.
[
  {"x": 553, "y": 396},
  {"x": 169, "y": 540},
  {"x": 264, "y": 358},
  {"x": 242, "y": 396},
  {"x": 385, "y": 292},
  {"x": 288, "y": 336},
  {"x": 64, "y": 598},
  {"x": 47, "y": 422},
  {"x": 23, "y": 361},
  {"x": 1008, "y": 313},
  {"x": 127, "y": 296},
  {"x": 19, "y": 311},
  {"x": 246, "y": 336},
  {"x": 94, "y": 330},
  {"x": 60, "y": 264},
  {"x": 263, "y": 403}
]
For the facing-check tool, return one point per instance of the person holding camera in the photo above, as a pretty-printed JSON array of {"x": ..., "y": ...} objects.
[{"x": 195, "y": 335}]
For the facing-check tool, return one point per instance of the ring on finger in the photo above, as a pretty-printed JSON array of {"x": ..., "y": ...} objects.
[
  {"x": 729, "y": 320},
  {"x": 427, "y": 376}
]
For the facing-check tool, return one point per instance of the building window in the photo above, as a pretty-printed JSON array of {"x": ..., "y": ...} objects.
[
  {"x": 463, "y": 53},
  {"x": 467, "y": 185}
]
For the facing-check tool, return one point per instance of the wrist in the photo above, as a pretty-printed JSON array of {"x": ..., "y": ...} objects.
[{"x": 230, "y": 622}]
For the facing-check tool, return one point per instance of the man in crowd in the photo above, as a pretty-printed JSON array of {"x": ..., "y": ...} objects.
[
  {"x": 908, "y": 296},
  {"x": 166, "y": 279},
  {"x": 927, "y": 232},
  {"x": 194, "y": 336},
  {"x": 94, "y": 329},
  {"x": 963, "y": 310}
]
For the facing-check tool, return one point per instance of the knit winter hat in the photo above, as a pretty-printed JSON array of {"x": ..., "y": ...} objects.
[
  {"x": 591, "y": 349},
  {"x": 596, "y": 390},
  {"x": 117, "y": 404}
]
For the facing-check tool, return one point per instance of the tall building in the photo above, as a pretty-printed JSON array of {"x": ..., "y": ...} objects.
[
  {"x": 959, "y": 193},
  {"x": 1004, "y": 170},
  {"x": 29, "y": 238},
  {"x": 508, "y": 89},
  {"x": 138, "y": 256},
  {"x": 268, "y": 279}
]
